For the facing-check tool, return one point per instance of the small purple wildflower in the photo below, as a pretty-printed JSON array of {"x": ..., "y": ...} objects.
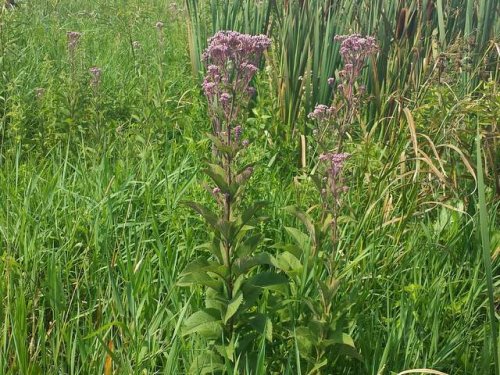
[
  {"x": 232, "y": 60},
  {"x": 73, "y": 39},
  {"x": 237, "y": 133},
  {"x": 96, "y": 76},
  {"x": 321, "y": 113},
  {"x": 336, "y": 161}
]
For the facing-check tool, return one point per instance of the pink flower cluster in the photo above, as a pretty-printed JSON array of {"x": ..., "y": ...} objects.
[
  {"x": 354, "y": 49},
  {"x": 232, "y": 61},
  {"x": 336, "y": 161},
  {"x": 73, "y": 39},
  {"x": 95, "y": 81}
]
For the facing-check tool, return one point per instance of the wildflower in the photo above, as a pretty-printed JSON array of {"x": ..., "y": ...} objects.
[
  {"x": 321, "y": 112},
  {"x": 232, "y": 60},
  {"x": 39, "y": 92},
  {"x": 237, "y": 133},
  {"x": 96, "y": 76},
  {"x": 136, "y": 45},
  {"x": 336, "y": 161},
  {"x": 159, "y": 25},
  {"x": 73, "y": 39},
  {"x": 225, "y": 98}
]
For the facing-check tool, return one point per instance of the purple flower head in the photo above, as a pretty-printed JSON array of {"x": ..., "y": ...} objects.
[
  {"x": 321, "y": 113},
  {"x": 355, "y": 49},
  {"x": 237, "y": 133},
  {"x": 331, "y": 81},
  {"x": 225, "y": 98},
  {"x": 209, "y": 88},
  {"x": 96, "y": 76},
  {"x": 73, "y": 39},
  {"x": 216, "y": 191},
  {"x": 242, "y": 51},
  {"x": 336, "y": 161},
  {"x": 231, "y": 60}
]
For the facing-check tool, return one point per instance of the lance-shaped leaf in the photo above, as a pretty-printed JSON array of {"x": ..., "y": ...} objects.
[
  {"x": 305, "y": 219},
  {"x": 233, "y": 306},
  {"x": 248, "y": 246},
  {"x": 250, "y": 213},
  {"x": 200, "y": 278},
  {"x": 252, "y": 288},
  {"x": 300, "y": 237},
  {"x": 345, "y": 344},
  {"x": 221, "y": 147},
  {"x": 262, "y": 324},
  {"x": 288, "y": 263},
  {"x": 204, "y": 323},
  {"x": 206, "y": 363},
  {"x": 244, "y": 264},
  {"x": 218, "y": 175},
  {"x": 207, "y": 214}
]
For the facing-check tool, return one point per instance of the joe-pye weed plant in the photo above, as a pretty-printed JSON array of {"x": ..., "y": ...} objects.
[
  {"x": 230, "y": 321},
  {"x": 315, "y": 257}
]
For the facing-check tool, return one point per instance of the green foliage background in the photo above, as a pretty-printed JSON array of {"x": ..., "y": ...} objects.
[{"x": 93, "y": 236}]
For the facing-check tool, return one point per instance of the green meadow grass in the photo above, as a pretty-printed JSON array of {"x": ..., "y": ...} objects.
[{"x": 93, "y": 233}]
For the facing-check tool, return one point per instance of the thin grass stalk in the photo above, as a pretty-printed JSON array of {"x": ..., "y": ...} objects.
[{"x": 485, "y": 245}]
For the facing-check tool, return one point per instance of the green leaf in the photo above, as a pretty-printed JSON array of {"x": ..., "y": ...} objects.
[
  {"x": 267, "y": 279},
  {"x": 203, "y": 323},
  {"x": 288, "y": 263},
  {"x": 206, "y": 363},
  {"x": 244, "y": 264},
  {"x": 250, "y": 212},
  {"x": 218, "y": 175},
  {"x": 249, "y": 245},
  {"x": 305, "y": 340},
  {"x": 207, "y": 214},
  {"x": 200, "y": 278},
  {"x": 300, "y": 237},
  {"x": 262, "y": 324},
  {"x": 304, "y": 218},
  {"x": 232, "y": 307}
]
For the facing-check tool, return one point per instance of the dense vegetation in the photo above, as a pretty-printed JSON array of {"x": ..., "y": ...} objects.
[{"x": 108, "y": 156}]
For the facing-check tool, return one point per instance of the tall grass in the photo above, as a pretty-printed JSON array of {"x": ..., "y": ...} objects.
[
  {"x": 92, "y": 235},
  {"x": 416, "y": 37}
]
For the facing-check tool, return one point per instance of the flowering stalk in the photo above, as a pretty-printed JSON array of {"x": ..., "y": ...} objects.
[
  {"x": 333, "y": 121},
  {"x": 231, "y": 63},
  {"x": 73, "y": 41}
]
